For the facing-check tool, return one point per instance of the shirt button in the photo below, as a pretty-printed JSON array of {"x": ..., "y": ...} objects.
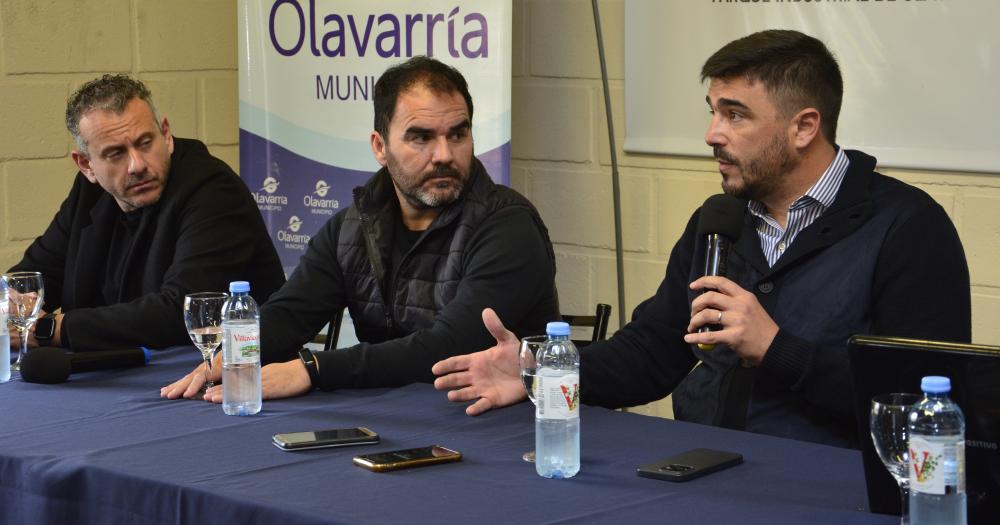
[
  {"x": 765, "y": 287},
  {"x": 781, "y": 246}
]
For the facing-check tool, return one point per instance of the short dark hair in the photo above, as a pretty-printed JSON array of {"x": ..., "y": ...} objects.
[
  {"x": 108, "y": 93},
  {"x": 430, "y": 73},
  {"x": 796, "y": 69}
]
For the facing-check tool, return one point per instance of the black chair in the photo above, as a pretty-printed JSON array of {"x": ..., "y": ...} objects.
[
  {"x": 329, "y": 340},
  {"x": 598, "y": 321}
]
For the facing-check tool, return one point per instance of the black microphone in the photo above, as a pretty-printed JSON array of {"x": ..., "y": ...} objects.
[
  {"x": 50, "y": 365},
  {"x": 721, "y": 222}
]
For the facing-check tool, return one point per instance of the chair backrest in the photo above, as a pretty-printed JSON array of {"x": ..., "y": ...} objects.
[
  {"x": 329, "y": 341},
  {"x": 598, "y": 321}
]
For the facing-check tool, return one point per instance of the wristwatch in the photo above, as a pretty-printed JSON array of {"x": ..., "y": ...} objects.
[
  {"x": 45, "y": 329},
  {"x": 309, "y": 360}
]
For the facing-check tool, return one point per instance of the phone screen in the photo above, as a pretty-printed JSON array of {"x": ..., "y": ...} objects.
[{"x": 325, "y": 438}]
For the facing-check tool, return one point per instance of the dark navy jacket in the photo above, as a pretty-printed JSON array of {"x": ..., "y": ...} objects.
[{"x": 884, "y": 259}]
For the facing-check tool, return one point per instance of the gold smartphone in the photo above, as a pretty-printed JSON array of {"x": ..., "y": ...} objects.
[{"x": 409, "y": 458}]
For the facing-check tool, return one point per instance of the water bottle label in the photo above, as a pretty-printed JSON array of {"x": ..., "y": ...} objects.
[
  {"x": 244, "y": 345},
  {"x": 557, "y": 397},
  {"x": 937, "y": 466}
]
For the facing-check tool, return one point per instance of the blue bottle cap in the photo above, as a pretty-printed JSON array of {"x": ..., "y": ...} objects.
[
  {"x": 935, "y": 385},
  {"x": 557, "y": 328},
  {"x": 239, "y": 287}
]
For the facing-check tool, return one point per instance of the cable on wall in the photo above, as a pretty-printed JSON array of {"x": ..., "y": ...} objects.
[{"x": 615, "y": 186}]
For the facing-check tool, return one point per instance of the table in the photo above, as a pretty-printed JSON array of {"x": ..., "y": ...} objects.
[{"x": 105, "y": 448}]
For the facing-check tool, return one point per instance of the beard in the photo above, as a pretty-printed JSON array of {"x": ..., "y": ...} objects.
[
  {"x": 761, "y": 175},
  {"x": 418, "y": 194}
]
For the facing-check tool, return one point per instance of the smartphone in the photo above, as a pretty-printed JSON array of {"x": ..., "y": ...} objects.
[
  {"x": 340, "y": 437},
  {"x": 400, "y": 459},
  {"x": 690, "y": 465}
]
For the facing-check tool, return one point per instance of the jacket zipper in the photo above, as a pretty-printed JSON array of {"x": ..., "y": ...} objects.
[{"x": 375, "y": 260}]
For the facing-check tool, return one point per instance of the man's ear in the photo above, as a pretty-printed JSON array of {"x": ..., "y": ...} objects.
[
  {"x": 165, "y": 129},
  {"x": 806, "y": 128},
  {"x": 378, "y": 147},
  {"x": 82, "y": 162}
]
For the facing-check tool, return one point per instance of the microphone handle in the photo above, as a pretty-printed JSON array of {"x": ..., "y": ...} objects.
[
  {"x": 716, "y": 255},
  {"x": 107, "y": 359}
]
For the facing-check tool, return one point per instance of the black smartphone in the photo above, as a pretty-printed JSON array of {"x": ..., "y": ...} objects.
[
  {"x": 400, "y": 459},
  {"x": 340, "y": 437},
  {"x": 690, "y": 465}
]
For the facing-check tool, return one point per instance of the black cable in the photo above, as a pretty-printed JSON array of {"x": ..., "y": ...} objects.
[{"x": 615, "y": 187}]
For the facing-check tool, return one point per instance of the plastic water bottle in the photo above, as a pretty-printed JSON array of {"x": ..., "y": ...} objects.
[
  {"x": 240, "y": 352},
  {"x": 937, "y": 456},
  {"x": 4, "y": 333},
  {"x": 557, "y": 409}
]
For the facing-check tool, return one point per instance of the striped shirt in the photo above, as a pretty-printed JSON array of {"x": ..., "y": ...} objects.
[{"x": 775, "y": 240}]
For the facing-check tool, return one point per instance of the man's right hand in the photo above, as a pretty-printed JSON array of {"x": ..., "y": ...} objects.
[
  {"x": 492, "y": 377},
  {"x": 189, "y": 385}
]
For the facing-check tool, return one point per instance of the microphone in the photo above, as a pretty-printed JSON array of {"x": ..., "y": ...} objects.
[
  {"x": 50, "y": 365},
  {"x": 721, "y": 222}
]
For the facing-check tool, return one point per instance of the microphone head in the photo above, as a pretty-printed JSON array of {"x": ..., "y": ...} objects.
[
  {"x": 722, "y": 214},
  {"x": 46, "y": 365}
]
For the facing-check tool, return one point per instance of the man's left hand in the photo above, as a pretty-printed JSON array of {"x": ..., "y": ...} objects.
[
  {"x": 277, "y": 380},
  {"x": 744, "y": 325}
]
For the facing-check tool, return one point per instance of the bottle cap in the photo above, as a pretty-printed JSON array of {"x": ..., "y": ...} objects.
[
  {"x": 557, "y": 328},
  {"x": 935, "y": 385},
  {"x": 239, "y": 287}
]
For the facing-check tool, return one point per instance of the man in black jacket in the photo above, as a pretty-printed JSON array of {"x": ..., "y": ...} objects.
[
  {"x": 149, "y": 218},
  {"x": 829, "y": 248},
  {"x": 428, "y": 243}
]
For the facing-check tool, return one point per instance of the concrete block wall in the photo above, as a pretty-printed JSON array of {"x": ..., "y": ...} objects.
[{"x": 185, "y": 50}]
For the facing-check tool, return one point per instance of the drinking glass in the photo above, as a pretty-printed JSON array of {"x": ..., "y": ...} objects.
[
  {"x": 890, "y": 434},
  {"x": 27, "y": 293},
  {"x": 526, "y": 359},
  {"x": 203, "y": 318}
]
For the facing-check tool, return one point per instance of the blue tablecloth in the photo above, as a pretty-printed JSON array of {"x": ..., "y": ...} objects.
[{"x": 105, "y": 448}]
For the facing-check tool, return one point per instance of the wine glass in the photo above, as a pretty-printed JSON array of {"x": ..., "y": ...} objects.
[
  {"x": 526, "y": 359},
  {"x": 890, "y": 435},
  {"x": 203, "y": 318},
  {"x": 27, "y": 293}
]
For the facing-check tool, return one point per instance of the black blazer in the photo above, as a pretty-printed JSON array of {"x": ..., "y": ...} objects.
[{"x": 204, "y": 232}]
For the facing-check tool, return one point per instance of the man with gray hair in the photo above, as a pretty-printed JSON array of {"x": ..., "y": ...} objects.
[{"x": 150, "y": 218}]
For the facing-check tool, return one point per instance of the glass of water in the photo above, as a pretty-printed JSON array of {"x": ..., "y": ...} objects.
[
  {"x": 203, "y": 318},
  {"x": 526, "y": 359},
  {"x": 27, "y": 293},
  {"x": 890, "y": 434}
]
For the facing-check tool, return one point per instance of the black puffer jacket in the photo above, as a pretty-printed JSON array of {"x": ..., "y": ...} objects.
[{"x": 489, "y": 248}]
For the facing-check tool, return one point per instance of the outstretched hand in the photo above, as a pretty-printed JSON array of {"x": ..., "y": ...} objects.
[{"x": 491, "y": 377}]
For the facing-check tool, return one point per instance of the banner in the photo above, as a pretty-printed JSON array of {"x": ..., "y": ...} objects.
[
  {"x": 915, "y": 72},
  {"x": 307, "y": 75}
]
